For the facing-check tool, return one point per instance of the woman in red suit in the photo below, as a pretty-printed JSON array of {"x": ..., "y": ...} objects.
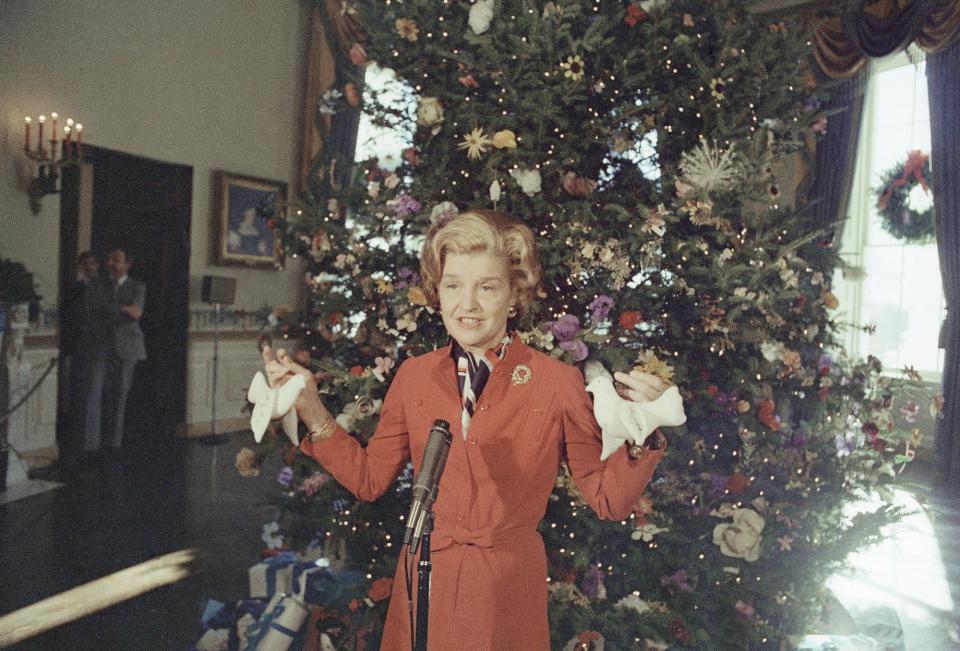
[{"x": 515, "y": 414}]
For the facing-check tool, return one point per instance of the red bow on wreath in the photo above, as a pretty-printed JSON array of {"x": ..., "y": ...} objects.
[{"x": 916, "y": 159}]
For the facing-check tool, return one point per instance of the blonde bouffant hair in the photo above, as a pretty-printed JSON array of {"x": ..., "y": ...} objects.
[{"x": 483, "y": 231}]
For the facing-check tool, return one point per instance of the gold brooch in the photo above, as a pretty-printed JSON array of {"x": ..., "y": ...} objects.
[{"x": 521, "y": 374}]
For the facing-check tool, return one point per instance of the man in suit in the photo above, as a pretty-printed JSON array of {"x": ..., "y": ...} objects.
[
  {"x": 73, "y": 323},
  {"x": 116, "y": 350}
]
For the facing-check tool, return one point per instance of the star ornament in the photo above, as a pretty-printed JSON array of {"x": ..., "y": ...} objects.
[
  {"x": 476, "y": 143},
  {"x": 270, "y": 403}
]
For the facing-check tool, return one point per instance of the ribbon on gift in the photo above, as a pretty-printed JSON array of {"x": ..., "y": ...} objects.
[
  {"x": 913, "y": 168},
  {"x": 272, "y": 575},
  {"x": 279, "y": 626}
]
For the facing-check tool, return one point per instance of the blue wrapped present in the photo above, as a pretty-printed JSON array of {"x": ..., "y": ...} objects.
[
  {"x": 326, "y": 586},
  {"x": 272, "y": 575}
]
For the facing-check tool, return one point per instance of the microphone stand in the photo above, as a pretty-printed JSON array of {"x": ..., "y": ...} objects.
[{"x": 423, "y": 586}]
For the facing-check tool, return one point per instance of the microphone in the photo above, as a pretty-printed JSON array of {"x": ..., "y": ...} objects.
[{"x": 426, "y": 486}]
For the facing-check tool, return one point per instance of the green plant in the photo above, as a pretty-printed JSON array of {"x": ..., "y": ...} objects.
[{"x": 16, "y": 283}]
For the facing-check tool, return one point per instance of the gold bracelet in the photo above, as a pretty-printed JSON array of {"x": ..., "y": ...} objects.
[{"x": 323, "y": 431}]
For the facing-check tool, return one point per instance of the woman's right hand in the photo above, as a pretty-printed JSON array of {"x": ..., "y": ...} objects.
[{"x": 279, "y": 368}]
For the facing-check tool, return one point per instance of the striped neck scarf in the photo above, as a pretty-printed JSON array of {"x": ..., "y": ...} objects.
[{"x": 472, "y": 375}]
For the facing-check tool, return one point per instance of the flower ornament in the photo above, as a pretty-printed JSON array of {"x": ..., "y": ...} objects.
[
  {"x": 443, "y": 212},
  {"x": 314, "y": 483},
  {"x": 358, "y": 56},
  {"x": 246, "y": 463},
  {"x": 740, "y": 538},
  {"x": 495, "y": 191},
  {"x": 383, "y": 366},
  {"x": 565, "y": 331},
  {"x": 403, "y": 205},
  {"x": 271, "y": 536},
  {"x": 766, "y": 414},
  {"x": 635, "y": 15},
  {"x": 416, "y": 296},
  {"x": 481, "y": 13},
  {"x": 407, "y": 322},
  {"x": 285, "y": 476},
  {"x": 717, "y": 88},
  {"x": 655, "y": 222},
  {"x": 677, "y": 581},
  {"x": 578, "y": 186},
  {"x": 505, "y": 139},
  {"x": 573, "y": 68},
  {"x": 407, "y": 29},
  {"x": 430, "y": 113},
  {"x": 476, "y": 143},
  {"x": 646, "y": 532},
  {"x": 327, "y": 104},
  {"x": 528, "y": 180},
  {"x": 600, "y": 309}
]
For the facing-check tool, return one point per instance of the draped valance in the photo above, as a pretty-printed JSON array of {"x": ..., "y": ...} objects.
[{"x": 843, "y": 40}]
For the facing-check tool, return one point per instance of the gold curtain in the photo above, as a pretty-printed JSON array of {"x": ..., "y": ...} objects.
[
  {"x": 838, "y": 40},
  {"x": 332, "y": 33}
]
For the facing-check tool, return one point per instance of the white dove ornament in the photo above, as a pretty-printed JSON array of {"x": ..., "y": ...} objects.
[
  {"x": 269, "y": 404},
  {"x": 623, "y": 420}
]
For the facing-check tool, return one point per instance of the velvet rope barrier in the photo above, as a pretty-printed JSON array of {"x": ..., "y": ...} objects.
[{"x": 95, "y": 596}]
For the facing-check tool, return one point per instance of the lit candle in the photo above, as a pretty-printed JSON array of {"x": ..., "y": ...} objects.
[
  {"x": 66, "y": 134},
  {"x": 79, "y": 136},
  {"x": 41, "y": 120},
  {"x": 26, "y": 133},
  {"x": 53, "y": 128}
]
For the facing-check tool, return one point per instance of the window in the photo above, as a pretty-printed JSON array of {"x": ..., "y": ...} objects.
[{"x": 900, "y": 292}]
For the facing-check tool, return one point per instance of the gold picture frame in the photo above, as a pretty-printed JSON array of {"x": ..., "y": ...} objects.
[{"x": 244, "y": 236}]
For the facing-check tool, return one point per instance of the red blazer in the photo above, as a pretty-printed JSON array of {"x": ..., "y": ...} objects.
[{"x": 488, "y": 589}]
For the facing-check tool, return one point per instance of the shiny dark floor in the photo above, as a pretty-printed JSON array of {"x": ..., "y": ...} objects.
[{"x": 118, "y": 512}]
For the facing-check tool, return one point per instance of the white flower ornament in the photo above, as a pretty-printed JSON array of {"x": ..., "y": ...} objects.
[{"x": 269, "y": 403}]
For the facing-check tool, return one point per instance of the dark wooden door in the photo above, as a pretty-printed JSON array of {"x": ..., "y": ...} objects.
[{"x": 144, "y": 206}]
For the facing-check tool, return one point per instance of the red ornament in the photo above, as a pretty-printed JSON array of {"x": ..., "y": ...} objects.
[
  {"x": 737, "y": 483},
  {"x": 679, "y": 630},
  {"x": 635, "y": 15},
  {"x": 630, "y": 319},
  {"x": 766, "y": 415},
  {"x": 356, "y": 371},
  {"x": 381, "y": 589}
]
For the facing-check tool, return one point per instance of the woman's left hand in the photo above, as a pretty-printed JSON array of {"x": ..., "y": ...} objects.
[{"x": 638, "y": 386}]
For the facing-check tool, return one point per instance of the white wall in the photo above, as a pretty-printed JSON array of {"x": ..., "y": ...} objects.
[{"x": 206, "y": 83}]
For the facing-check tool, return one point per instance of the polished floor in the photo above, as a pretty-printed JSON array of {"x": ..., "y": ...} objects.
[{"x": 120, "y": 512}]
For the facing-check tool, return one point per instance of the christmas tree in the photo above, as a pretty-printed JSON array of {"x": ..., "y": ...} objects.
[{"x": 641, "y": 142}]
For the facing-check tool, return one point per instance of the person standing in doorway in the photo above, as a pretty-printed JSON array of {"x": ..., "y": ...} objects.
[
  {"x": 75, "y": 325},
  {"x": 112, "y": 371}
]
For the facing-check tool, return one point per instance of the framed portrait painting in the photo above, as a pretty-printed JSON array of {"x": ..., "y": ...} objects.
[{"x": 243, "y": 206}]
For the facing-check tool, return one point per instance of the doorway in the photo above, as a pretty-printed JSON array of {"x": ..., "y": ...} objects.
[{"x": 144, "y": 206}]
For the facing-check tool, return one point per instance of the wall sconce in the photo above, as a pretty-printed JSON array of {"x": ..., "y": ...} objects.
[{"x": 45, "y": 182}]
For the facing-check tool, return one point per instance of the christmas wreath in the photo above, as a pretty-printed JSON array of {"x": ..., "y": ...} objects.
[{"x": 899, "y": 218}]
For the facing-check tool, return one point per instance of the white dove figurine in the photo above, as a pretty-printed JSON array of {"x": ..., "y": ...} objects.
[
  {"x": 624, "y": 420},
  {"x": 269, "y": 403}
]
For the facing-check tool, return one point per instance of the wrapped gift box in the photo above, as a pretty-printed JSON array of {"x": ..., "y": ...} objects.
[{"x": 272, "y": 575}]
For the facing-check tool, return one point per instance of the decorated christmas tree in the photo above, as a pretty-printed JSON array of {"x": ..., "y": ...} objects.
[{"x": 642, "y": 143}]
